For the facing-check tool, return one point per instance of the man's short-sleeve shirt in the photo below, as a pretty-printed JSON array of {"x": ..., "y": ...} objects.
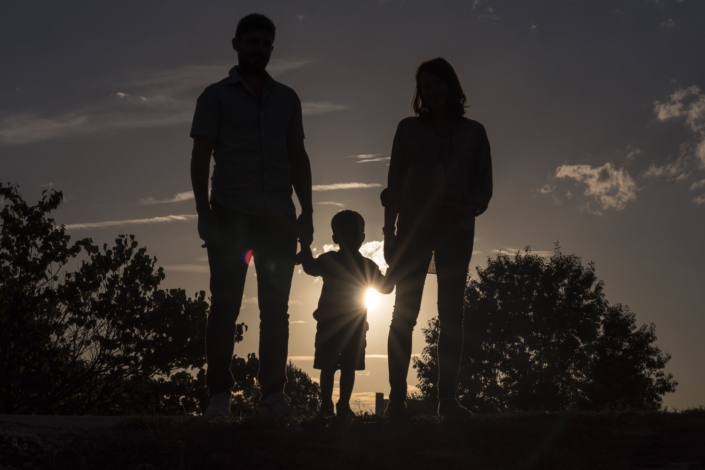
[{"x": 252, "y": 172}]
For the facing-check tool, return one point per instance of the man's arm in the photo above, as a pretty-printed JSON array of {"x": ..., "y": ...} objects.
[
  {"x": 301, "y": 181},
  {"x": 200, "y": 171}
]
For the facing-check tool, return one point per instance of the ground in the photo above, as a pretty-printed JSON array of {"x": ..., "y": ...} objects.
[{"x": 608, "y": 440}]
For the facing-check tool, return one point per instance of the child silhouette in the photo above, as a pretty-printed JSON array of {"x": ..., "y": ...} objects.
[{"x": 341, "y": 315}]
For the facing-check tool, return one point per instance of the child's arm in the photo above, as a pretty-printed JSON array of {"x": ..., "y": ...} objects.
[{"x": 311, "y": 265}]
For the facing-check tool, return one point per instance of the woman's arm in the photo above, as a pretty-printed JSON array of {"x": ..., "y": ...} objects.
[
  {"x": 482, "y": 192},
  {"x": 392, "y": 195},
  {"x": 394, "y": 182}
]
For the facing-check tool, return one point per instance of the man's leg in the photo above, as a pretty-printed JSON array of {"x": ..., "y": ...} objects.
[
  {"x": 409, "y": 270},
  {"x": 453, "y": 250},
  {"x": 228, "y": 271},
  {"x": 274, "y": 241}
]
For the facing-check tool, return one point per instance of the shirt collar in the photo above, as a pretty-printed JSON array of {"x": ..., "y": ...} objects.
[{"x": 234, "y": 77}]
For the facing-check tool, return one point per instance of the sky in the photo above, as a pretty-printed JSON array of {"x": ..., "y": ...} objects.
[{"x": 595, "y": 111}]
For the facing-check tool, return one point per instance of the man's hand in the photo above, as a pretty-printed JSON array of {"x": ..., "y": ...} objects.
[
  {"x": 304, "y": 229},
  {"x": 208, "y": 227}
]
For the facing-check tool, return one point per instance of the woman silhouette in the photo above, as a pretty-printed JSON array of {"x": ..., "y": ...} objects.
[{"x": 440, "y": 179}]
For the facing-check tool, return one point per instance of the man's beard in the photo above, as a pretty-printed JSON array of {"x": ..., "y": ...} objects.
[{"x": 256, "y": 66}]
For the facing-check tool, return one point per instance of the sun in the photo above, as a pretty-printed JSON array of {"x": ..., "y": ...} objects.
[{"x": 372, "y": 298}]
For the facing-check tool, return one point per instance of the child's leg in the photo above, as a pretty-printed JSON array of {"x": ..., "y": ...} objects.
[
  {"x": 327, "y": 379},
  {"x": 347, "y": 381}
]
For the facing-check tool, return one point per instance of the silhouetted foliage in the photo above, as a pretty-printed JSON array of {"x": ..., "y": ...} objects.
[
  {"x": 103, "y": 339},
  {"x": 539, "y": 334},
  {"x": 304, "y": 393}
]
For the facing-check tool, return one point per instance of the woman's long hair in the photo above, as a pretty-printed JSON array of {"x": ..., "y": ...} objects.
[{"x": 443, "y": 70}]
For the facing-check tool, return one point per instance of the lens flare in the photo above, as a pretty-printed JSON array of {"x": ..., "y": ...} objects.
[{"x": 372, "y": 298}]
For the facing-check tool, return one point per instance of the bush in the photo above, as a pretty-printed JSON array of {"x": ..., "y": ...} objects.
[
  {"x": 539, "y": 334},
  {"x": 104, "y": 339}
]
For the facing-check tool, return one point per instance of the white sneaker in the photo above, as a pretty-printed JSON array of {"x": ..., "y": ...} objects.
[
  {"x": 276, "y": 404},
  {"x": 219, "y": 405}
]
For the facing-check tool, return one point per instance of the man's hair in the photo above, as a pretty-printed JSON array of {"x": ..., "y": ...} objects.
[
  {"x": 254, "y": 22},
  {"x": 347, "y": 221},
  {"x": 443, "y": 70}
]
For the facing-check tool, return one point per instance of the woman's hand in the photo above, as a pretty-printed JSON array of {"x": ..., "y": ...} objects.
[{"x": 390, "y": 245}]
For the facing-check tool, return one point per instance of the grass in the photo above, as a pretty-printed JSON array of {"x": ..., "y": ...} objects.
[{"x": 608, "y": 440}]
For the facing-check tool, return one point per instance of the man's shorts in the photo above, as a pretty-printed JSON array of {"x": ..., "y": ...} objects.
[{"x": 341, "y": 342}]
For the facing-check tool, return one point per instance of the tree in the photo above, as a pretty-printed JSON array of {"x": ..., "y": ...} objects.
[
  {"x": 539, "y": 334},
  {"x": 103, "y": 339}
]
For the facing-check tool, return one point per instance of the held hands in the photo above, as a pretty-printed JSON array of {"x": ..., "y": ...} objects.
[
  {"x": 304, "y": 255},
  {"x": 304, "y": 229},
  {"x": 390, "y": 245}
]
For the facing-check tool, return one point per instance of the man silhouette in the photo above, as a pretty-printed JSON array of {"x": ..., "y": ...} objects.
[{"x": 252, "y": 126}]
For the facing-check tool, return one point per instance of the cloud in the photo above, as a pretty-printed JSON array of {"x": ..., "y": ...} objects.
[
  {"x": 490, "y": 14},
  {"x": 163, "y": 98},
  {"x": 117, "y": 223},
  {"x": 541, "y": 253},
  {"x": 375, "y": 251},
  {"x": 548, "y": 189},
  {"x": 668, "y": 24},
  {"x": 179, "y": 197},
  {"x": 187, "y": 268},
  {"x": 28, "y": 128},
  {"x": 336, "y": 186},
  {"x": 698, "y": 185},
  {"x": 687, "y": 104},
  {"x": 700, "y": 199},
  {"x": 367, "y": 356},
  {"x": 370, "y": 157},
  {"x": 534, "y": 28},
  {"x": 632, "y": 152},
  {"x": 609, "y": 187},
  {"x": 677, "y": 170},
  {"x": 330, "y": 203},
  {"x": 314, "y": 108}
]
